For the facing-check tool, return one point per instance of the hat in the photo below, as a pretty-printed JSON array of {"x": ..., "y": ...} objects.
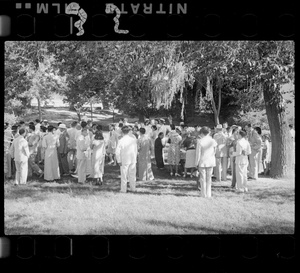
[
  {"x": 181, "y": 123},
  {"x": 219, "y": 126},
  {"x": 62, "y": 126},
  {"x": 161, "y": 119}
]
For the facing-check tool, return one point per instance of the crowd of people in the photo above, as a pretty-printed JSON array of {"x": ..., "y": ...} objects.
[{"x": 81, "y": 151}]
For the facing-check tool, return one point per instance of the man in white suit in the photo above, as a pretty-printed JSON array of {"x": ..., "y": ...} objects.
[
  {"x": 19, "y": 150},
  {"x": 126, "y": 155},
  {"x": 205, "y": 160},
  {"x": 221, "y": 154}
]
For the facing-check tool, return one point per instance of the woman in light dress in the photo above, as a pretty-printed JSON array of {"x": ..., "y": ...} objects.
[
  {"x": 50, "y": 143},
  {"x": 144, "y": 156},
  {"x": 153, "y": 135},
  {"x": 174, "y": 150},
  {"x": 112, "y": 144},
  {"x": 266, "y": 154},
  {"x": 189, "y": 145},
  {"x": 98, "y": 157}
]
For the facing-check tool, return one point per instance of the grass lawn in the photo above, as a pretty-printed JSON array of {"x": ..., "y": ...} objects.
[{"x": 167, "y": 206}]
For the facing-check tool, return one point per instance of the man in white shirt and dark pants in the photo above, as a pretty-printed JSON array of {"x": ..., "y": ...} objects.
[
  {"x": 19, "y": 150},
  {"x": 243, "y": 149},
  {"x": 126, "y": 155},
  {"x": 205, "y": 160}
]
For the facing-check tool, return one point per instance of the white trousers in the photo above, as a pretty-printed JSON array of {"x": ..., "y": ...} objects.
[
  {"x": 128, "y": 173},
  {"x": 241, "y": 175},
  {"x": 253, "y": 164},
  {"x": 81, "y": 170},
  {"x": 205, "y": 174},
  {"x": 21, "y": 172},
  {"x": 221, "y": 168}
]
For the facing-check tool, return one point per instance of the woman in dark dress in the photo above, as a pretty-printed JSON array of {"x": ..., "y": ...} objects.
[{"x": 158, "y": 149}]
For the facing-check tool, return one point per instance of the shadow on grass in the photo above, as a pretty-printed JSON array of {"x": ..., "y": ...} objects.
[
  {"x": 276, "y": 227},
  {"x": 282, "y": 195},
  {"x": 163, "y": 184}
]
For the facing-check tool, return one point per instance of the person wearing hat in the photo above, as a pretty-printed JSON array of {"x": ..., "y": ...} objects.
[
  {"x": 221, "y": 154},
  {"x": 51, "y": 167},
  {"x": 162, "y": 127},
  {"x": 62, "y": 150}
]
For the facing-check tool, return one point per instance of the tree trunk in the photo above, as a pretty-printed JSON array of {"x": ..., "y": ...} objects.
[
  {"x": 113, "y": 115},
  {"x": 78, "y": 114},
  {"x": 39, "y": 108},
  {"x": 209, "y": 89},
  {"x": 281, "y": 157},
  {"x": 219, "y": 99},
  {"x": 91, "y": 111}
]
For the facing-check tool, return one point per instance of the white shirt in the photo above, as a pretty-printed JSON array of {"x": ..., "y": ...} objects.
[
  {"x": 126, "y": 151},
  {"x": 205, "y": 152},
  {"x": 19, "y": 149},
  {"x": 82, "y": 145},
  {"x": 72, "y": 132},
  {"x": 242, "y": 145},
  {"x": 292, "y": 131}
]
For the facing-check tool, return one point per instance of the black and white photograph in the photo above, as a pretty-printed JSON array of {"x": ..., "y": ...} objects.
[{"x": 149, "y": 137}]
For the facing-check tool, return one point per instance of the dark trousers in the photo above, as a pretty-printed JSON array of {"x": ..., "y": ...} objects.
[{"x": 233, "y": 171}]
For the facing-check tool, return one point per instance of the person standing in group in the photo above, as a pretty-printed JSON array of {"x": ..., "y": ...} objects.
[
  {"x": 205, "y": 160},
  {"x": 41, "y": 152},
  {"x": 51, "y": 167},
  {"x": 19, "y": 150},
  {"x": 98, "y": 157},
  {"x": 125, "y": 122},
  {"x": 72, "y": 146},
  {"x": 88, "y": 138},
  {"x": 135, "y": 131},
  {"x": 8, "y": 138},
  {"x": 259, "y": 161},
  {"x": 37, "y": 126},
  {"x": 145, "y": 147},
  {"x": 33, "y": 142},
  {"x": 126, "y": 154},
  {"x": 174, "y": 150},
  {"x": 266, "y": 150},
  {"x": 83, "y": 145},
  {"x": 158, "y": 151},
  {"x": 243, "y": 149},
  {"x": 112, "y": 144},
  {"x": 255, "y": 143},
  {"x": 153, "y": 135},
  {"x": 162, "y": 127},
  {"x": 147, "y": 126},
  {"x": 221, "y": 154},
  {"x": 62, "y": 151},
  {"x": 189, "y": 145},
  {"x": 292, "y": 133},
  {"x": 232, "y": 142}
]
